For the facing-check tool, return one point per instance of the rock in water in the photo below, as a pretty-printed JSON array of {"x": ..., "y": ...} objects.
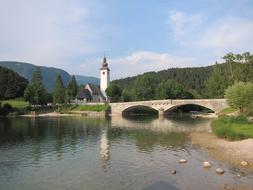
[
  {"x": 182, "y": 161},
  {"x": 244, "y": 163},
  {"x": 220, "y": 171},
  {"x": 207, "y": 164},
  {"x": 173, "y": 172}
]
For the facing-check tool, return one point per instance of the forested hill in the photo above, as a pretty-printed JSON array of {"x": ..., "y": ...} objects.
[
  {"x": 49, "y": 74},
  {"x": 183, "y": 83},
  {"x": 190, "y": 78}
]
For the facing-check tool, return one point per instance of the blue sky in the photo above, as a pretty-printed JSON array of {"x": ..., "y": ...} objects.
[{"x": 136, "y": 35}]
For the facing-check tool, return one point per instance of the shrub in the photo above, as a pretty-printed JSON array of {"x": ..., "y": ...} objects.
[
  {"x": 5, "y": 109},
  {"x": 240, "y": 96}
]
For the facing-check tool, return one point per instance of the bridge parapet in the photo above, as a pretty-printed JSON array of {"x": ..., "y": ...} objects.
[{"x": 215, "y": 105}]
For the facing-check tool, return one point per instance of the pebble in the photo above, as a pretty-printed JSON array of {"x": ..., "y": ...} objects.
[
  {"x": 173, "y": 172},
  {"x": 207, "y": 164},
  {"x": 244, "y": 163},
  {"x": 220, "y": 171},
  {"x": 182, "y": 161}
]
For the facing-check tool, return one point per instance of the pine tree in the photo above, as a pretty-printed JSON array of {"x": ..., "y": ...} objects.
[
  {"x": 35, "y": 93},
  {"x": 11, "y": 87},
  {"x": 72, "y": 88},
  {"x": 59, "y": 91}
]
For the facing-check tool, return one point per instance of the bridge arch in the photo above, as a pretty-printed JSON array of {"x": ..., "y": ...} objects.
[
  {"x": 138, "y": 107},
  {"x": 172, "y": 107}
]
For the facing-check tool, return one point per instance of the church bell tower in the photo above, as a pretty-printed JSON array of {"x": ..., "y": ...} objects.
[{"x": 104, "y": 76}]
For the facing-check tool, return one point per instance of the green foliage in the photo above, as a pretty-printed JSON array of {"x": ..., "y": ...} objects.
[
  {"x": 17, "y": 103},
  {"x": 97, "y": 108},
  {"x": 192, "y": 80},
  {"x": 35, "y": 92},
  {"x": 171, "y": 89},
  {"x": 11, "y": 84},
  {"x": 240, "y": 96},
  {"x": 227, "y": 111},
  {"x": 59, "y": 91},
  {"x": 233, "y": 128},
  {"x": 217, "y": 82},
  {"x": 48, "y": 74},
  {"x": 5, "y": 109},
  {"x": 67, "y": 108},
  {"x": 72, "y": 89},
  {"x": 113, "y": 92},
  {"x": 200, "y": 82},
  {"x": 237, "y": 67},
  {"x": 145, "y": 87}
]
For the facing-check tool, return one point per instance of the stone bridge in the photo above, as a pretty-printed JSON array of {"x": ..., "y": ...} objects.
[{"x": 161, "y": 106}]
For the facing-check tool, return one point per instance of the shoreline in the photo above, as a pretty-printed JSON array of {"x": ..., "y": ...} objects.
[
  {"x": 72, "y": 113},
  {"x": 233, "y": 152}
]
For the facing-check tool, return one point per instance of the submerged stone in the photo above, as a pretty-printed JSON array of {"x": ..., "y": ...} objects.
[
  {"x": 244, "y": 163},
  {"x": 182, "y": 161},
  {"x": 207, "y": 164},
  {"x": 220, "y": 171}
]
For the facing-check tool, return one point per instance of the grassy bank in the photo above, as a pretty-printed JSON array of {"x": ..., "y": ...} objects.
[
  {"x": 17, "y": 103},
  {"x": 233, "y": 128},
  {"x": 97, "y": 108}
]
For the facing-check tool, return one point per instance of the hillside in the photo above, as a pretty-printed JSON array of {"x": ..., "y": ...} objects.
[
  {"x": 86, "y": 79},
  {"x": 48, "y": 73},
  {"x": 191, "y": 78}
]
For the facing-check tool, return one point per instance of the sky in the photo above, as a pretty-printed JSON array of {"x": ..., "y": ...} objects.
[{"x": 136, "y": 36}]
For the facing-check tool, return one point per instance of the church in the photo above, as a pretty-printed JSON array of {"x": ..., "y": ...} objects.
[{"x": 95, "y": 93}]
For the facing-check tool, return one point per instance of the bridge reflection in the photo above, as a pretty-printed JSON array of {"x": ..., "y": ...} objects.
[{"x": 165, "y": 124}]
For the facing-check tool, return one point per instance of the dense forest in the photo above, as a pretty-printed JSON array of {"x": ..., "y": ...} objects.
[
  {"x": 11, "y": 84},
  {"x": 198, "y": 82}
]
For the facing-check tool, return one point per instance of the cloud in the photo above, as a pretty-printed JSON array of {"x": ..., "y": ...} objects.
[
  {"x": 182, "y": 23},
  {"x": 46, "y": 32},
  {"x": 144, "y": 61},
  {"x": 228, "y": 34}
]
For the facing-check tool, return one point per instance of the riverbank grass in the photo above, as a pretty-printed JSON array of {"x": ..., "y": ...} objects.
[
  {"x": 233, "y": 127},
  {"x": 228, "y": 110},
  {"x": 95, "y": 107},
  {"x": 17, "y": 103}
]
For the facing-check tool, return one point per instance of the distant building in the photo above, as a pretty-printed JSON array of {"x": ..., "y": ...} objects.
[{"x": 95, "y": 93}]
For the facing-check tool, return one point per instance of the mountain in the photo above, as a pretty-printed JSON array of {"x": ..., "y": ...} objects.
[
  {"x": 48, "y": 74},
  {"x": 85, "y": 79}
]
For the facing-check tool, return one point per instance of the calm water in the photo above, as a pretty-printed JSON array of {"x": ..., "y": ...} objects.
[{"x": 84, "y": 153}]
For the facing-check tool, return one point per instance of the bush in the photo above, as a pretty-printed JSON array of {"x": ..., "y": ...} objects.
[{"x": 5, "y": 109}]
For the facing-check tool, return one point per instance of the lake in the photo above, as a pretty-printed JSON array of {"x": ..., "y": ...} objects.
[{"x": 116, "y": 153}]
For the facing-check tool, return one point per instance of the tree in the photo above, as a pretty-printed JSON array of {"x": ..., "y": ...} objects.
[
  {"x": 240, "y": 96},
  {"x": 145, "y": 87},
  {"x": 29, "y": 94},
  {"x": 113, "y": 92},
  {"x": 72, "y": 88},
  {"x": 217, "y": 83},
  {"x": 35, "y": 92},
  {"x": 12, "y": 85},
  {"x": 59, "y": 91},
  {"x": 171, "y": 89},
  {"x": 10, "y": 88}
]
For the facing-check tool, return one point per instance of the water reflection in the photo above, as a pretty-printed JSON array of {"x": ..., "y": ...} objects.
[
  {"x": 88, "y": 153},
  {"x": 165, "y": 124}
]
